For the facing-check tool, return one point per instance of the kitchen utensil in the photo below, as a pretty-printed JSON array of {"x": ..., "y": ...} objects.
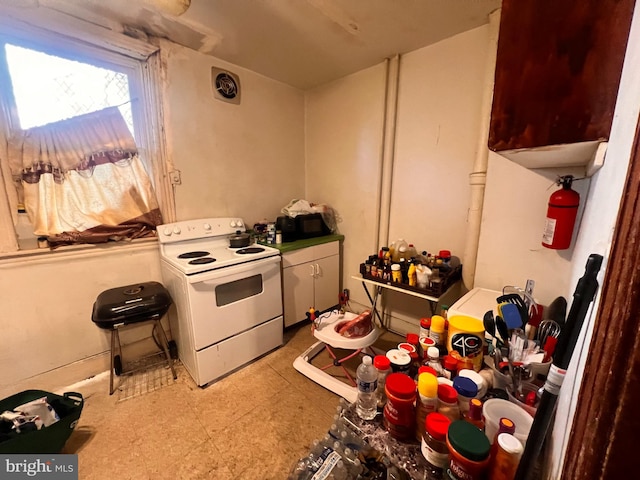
[
  {"x": 582, "y": 298},
  {"x": 557, "y": 311},
  {"x": 502, "y": 330},
  {"x": 495, "y": 344},
  {"x": 517, "y": 300},
  {"x": 511, "y": 315},
  {"x": 548, "y": 328},
  {"x": 239, "y": 240}
]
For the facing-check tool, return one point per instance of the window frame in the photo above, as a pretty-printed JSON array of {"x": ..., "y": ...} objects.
[{"x": 139, "y": 60}]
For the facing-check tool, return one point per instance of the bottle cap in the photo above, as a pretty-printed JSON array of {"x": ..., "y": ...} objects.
[
  {"x": 447, "y": 393},
  {"x": 505, "y": 425},
  {"x": 427, "y": 369},
  {"x": 395, "y": 267},
  {"x": 450, "y": 363},
  {"x": 510, "y": 444},
  {"x": 428, "y": 385},
  {"x": 433, "y": 353},
  {"x": 366, "y": 360},
  {"x": 468, "y": 440},
  {"x": 401, "y": 386},
  {"x": 381, "y": 362},
  {"x": 465, "y": 386},
  {"x": 437, "y": 425},
  {"x": 425, "y": 322},
  {"x": 437, "y": 323},
  {"x": 412, "y": 338}
]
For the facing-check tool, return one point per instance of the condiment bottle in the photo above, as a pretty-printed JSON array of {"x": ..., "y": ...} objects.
[
  {"x": 437, "y": 330},
  {"x": 396, "y": 274},
  {"x": 383, "y": 366},
  {"x": 504, "y": 463},
  {"x": 473, "y": 414},
  {"x": 468, "y": 452},
  {"x": 434, "y": 445},
  {"x": 505, "y": 425},
  {"x": 449, "y": 367},
  {"x": 467, "y": 389},
  {"x": 433, "y": 355},
  {"x": 399, "y": 412},
  {"x": 426, "y": 401},
  {"x": 411, "y": 275},
  {"x": 448, "y": 402},
  {"x": 425, "y": 325}
]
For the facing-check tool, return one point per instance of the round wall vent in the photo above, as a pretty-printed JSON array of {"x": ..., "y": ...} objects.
[{"x": 226, "y": 85}]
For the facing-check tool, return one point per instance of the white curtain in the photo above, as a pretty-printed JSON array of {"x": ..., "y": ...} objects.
[{"x": 83, "y": 181}]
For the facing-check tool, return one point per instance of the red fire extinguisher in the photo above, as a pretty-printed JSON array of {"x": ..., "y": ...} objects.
[{"x": 561, "y": 215}]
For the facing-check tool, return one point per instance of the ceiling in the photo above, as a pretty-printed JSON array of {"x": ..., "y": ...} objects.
[{"x": 303, "y": 43}]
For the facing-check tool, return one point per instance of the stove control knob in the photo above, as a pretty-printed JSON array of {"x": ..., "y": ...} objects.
[
  {"x": 207, "y": 227},
  {"x": 177, "y": 230},
  {"x": 233, "y": 224},
  {"x": 167, "y": 232}
]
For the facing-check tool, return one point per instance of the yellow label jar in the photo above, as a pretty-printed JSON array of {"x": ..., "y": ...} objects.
[{"x": 465, "y": 340}]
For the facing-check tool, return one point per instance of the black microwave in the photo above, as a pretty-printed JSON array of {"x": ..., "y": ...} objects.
[{"x": 311, "y": 225}]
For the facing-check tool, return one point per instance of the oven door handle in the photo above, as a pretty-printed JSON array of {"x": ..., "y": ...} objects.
[{"x": 232, "y": 270}]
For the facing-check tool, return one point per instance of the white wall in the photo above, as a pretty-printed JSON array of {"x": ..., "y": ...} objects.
[
  {"x": 438, "y": 119},
  {"x": 242, "y": 160}
]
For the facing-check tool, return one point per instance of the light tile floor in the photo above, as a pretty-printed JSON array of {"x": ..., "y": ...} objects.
[{"x": 253, "y": 424}]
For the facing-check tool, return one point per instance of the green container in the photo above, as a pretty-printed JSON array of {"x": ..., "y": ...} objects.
[{"x": 49, "y": 439}]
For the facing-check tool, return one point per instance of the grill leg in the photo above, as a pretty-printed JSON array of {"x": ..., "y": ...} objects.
[{"x": 165, "y": 345}]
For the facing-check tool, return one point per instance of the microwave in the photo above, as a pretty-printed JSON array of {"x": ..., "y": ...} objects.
[{"x": 311, "y": 225}]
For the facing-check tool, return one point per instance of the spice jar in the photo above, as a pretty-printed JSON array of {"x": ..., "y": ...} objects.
[
  {"x": 434, "y": 445},
  {"x": 468, "y": 451},
  {"x": 448, "y": 402},
  {"x": 400, "y": 360},
  {"x": 383, "y": 366},
  {"x": 504, "y": 464},
  {"x": 399, "y": 411}
]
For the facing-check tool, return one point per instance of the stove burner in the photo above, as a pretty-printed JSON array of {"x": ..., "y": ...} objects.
[
  {"x": 249, "y": 250},
  {"x": 195, "y": 254},
  {"x": 202, "y": 260}
]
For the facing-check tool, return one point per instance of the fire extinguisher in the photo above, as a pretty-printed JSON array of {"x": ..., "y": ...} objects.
[{"x": 561, "y": 215}]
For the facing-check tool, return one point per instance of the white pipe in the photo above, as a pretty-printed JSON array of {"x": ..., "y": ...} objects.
[
  {"x": 388, "y": 150},
  {"x": 478, "y": 178}
]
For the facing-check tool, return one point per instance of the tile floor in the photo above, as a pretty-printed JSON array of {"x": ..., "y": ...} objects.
[{"x": 253, "y": 424}]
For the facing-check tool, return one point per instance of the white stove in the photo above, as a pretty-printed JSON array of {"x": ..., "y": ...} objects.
[
  {"x": 228, "y": 300},
  {"x": 196, "y": 246}
]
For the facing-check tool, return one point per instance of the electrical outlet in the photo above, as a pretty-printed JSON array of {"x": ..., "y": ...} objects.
[{"x": 175, "y": 178}]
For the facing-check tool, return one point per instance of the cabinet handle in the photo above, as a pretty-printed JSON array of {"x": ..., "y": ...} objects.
[
  {"x": 317, "y": 270},
  {"x": 313, "y": 271}
]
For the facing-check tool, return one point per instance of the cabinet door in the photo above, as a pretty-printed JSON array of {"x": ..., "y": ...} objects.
[
  {"x": 327, "y": 282},
  {"x": 558, "y": 67},
  {"x": 297, "y": 286}
]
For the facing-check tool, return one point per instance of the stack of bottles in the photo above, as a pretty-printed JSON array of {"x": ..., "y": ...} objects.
[
  {"x": 433, "y": 399},
  {"x": 342, "y": 455}
]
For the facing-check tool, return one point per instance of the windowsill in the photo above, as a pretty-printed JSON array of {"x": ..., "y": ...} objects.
[{"x": 79, "y": 250}]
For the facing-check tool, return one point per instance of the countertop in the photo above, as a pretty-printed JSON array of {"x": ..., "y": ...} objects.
[{"x": 307, "y": 242}]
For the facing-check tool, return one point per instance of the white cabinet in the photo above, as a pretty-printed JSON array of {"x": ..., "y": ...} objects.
[{"x": 310, "y": 278}]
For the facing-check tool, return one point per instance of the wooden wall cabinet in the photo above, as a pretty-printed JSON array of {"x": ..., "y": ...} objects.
[
  {"x": 310, "y": 278},
  {"x": 558, "y": 69}
]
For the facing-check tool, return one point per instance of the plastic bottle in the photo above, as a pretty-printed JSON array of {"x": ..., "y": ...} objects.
[
  {"x": 437, "y": 330},
  {"x": 426, "y": 402},
  {"x": 504, "y": 463},
  {"x": 411, "y": 274},
  {"x": 396, "y": 274},
  {"x": 425, "y": 325},
  {"x": 473, "y": 414},
  {"x": 367, "y": 378},
  {"x": 433, "y": 355},
  {"x": 448, "y": 402},
  {"x": 434, "y": 445},
  {"x": 467, "y": 389},
  {"x": 411, "y": 251},
  {"x": 449, "y": 366},
  {"x": 383, "y": 368}
]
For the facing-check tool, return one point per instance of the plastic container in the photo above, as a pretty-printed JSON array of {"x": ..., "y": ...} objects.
[
  {"x": 400, "y": 360},
  {"x": 434, "y": 444},
  {"x": 426, "y": 401},
  {"x": 504, "y": 462},
  {"x": 467, "y": 389},
  {"x": 448, "y": 402},
  {"x": 449, "y": 367},
  {"x": 425, "y": 325},
  {"x": 477, "y": 379},
  {"x": 367, "y": 380},
  {"x": 437, "y": 330},
  {"x": 528, "y": 389},
  {"x": 383, "y": 367},
  {"x": 399, "y": 412},
  {"x": 496, "y": 408},
  {"x": 468, "y": 452},
  {"x": 473, "y": 414},
  {"x": 465, "y": 340}
]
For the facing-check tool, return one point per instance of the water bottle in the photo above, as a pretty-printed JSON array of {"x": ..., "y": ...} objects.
[{"x": 367, "y": 378}]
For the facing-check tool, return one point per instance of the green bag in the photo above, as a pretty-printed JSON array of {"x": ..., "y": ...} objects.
[{"x": 49, "y": 439}]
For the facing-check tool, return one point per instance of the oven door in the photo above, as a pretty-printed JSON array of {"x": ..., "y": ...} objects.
[{"x": 231, "y": 300}]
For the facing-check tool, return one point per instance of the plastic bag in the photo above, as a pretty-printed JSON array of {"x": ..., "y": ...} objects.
[{"x": 301, "y": 207}]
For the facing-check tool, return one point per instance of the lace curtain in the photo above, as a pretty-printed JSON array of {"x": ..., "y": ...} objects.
[{"x": 83, "y": 181}]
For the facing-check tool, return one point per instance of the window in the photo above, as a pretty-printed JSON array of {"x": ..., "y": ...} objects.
[{"x": 49, "y": 84}]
